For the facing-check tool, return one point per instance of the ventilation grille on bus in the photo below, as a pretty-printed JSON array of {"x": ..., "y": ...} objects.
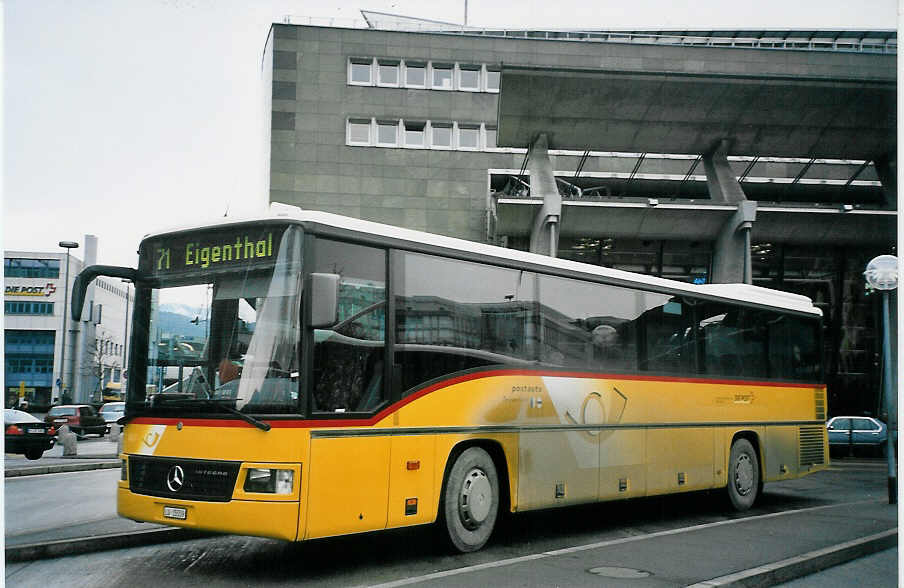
[
  {"x": 189, "y": 479},
  {"x": 820, "y": 405},
  {"x": 812, "y": 446}
]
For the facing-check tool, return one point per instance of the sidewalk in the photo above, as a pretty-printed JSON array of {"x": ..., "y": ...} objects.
[{"x": 92, "y": 454}]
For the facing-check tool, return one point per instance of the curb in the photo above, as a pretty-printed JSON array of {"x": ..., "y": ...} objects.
[
  {"x": 50, "y": 549},
  {"x": 67, "y": 467},
  {"x": 808, "y": 563}
]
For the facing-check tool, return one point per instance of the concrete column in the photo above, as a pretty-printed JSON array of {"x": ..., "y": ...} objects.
[
  {"x": 887, "y": 170},
  {"x": 544, "y": 235},
  {"x": 720, "y": 179},
  {"x": 83, "y": 380},
  {"x": 731, "y": 257}
]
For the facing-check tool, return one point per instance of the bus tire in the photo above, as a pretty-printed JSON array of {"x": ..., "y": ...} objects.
[
  {"x": 470, "y": 500},
  {"x": 743, "y": 475}
]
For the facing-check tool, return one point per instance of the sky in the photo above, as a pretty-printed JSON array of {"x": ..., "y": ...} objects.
[{"x": 125, "y": 117}]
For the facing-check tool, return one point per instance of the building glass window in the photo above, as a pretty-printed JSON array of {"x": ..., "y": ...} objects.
[
  {"x": 387, "y": 133},
  {"x": 360, "y": 71},
  {"x": 414, "y": 134},
  {"x": 441, "y": 136},
  {"x": 493, "y": 80},
  {"x": 389, "y": 73},
  {"x": 29, "y": 308},
  {"x": 469, "y": 77},
  {"x": 490, "y": 137},
  {"x": 442, "y": 76},
  {"x": 468, "y": 137},
  {"x": 359, "y": 131},
  {"x": 415, "y": 75},
  {"x": 31, "y": 268}
]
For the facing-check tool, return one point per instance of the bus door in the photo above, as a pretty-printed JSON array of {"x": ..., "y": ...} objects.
[{"x": 350, "y": 453}]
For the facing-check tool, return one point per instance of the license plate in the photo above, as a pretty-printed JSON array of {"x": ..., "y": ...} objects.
[
  {"x": 37, "y": 431},
  {"x": 175, "y": 512}
]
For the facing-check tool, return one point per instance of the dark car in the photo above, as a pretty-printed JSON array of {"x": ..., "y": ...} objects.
[
  {"x": 858, "y": 432},
  {"x": 81, "y": 418},
  {"x": 27, "y": 434},
  {"x": 112, "y": 412}
]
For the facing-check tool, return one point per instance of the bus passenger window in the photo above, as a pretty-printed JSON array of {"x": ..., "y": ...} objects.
[
  {"x": 348, "y": 357},
  {"x": 669, "y": 338}
]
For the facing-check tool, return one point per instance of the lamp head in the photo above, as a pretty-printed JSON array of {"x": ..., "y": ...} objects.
[{"x": 882, "y": 272}]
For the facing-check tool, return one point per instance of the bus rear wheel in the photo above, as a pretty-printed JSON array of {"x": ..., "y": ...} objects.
[
  {"x": 471, "y": 500},
  {"x": 743, "y": 475}
]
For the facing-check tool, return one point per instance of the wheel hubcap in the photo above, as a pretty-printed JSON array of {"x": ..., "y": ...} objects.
[
  {"x": 744, "y": 475},
  {"x": 475, "y": 499}
]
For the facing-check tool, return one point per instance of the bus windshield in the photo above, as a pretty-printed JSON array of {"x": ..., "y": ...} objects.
[{"x": 227, "y": 338}]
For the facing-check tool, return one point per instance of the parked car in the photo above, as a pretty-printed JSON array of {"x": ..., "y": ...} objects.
[
  {"x": 27, "y": 434},
  {"x": 859, "y": 431},
  {"x": 81, "y": 418},
  {"x": 112, "y": 412}
]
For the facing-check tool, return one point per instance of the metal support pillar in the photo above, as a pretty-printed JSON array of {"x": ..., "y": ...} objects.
[{"x": 544, "y": 235}]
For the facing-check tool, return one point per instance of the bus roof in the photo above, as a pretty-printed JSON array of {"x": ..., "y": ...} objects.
[{"x": 745, "y": 293}]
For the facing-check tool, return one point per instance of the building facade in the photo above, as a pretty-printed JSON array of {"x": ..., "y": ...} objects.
[
  {"x": 34, "y": 307},
  {"x": 401, "y": 127}
]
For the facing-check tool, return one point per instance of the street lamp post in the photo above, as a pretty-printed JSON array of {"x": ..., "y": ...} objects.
[
  {"x": 125, "y": 342},
  {"x": 68, "y": 246},
  {"x": 882, "y": 274}
]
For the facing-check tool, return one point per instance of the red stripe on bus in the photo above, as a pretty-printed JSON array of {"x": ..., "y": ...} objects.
[{"x": 370, "y": 421}]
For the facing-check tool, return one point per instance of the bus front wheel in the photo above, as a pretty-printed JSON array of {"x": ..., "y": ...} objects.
[
  {"x": 743, "y": 475},
  {"x": 471, "y": 500}
]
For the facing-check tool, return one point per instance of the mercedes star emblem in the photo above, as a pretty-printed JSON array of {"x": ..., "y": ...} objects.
[{"x": 175, "y": 478}]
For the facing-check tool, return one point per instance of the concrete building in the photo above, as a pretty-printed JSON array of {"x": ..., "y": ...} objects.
[
  {"x": 759, "y": 156},
  {"x": 34, "y": 305}
]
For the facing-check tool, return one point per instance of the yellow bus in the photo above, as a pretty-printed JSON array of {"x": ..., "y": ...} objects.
[{"x": 308, "y": 375}]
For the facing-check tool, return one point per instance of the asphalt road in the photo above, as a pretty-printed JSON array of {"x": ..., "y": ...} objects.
[
  {"x": 36, "y": 503},
  {"x": 667, "y": 541}
]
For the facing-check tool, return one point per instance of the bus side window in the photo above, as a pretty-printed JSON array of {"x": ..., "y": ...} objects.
[
  {"x": 668, "y": 338},
  {"x": 348, "y": 357}
]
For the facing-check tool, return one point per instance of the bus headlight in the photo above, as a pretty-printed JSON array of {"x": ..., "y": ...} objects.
[{"x": 269, "y": 481}]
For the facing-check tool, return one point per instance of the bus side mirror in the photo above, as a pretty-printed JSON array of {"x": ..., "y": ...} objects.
[
  {"x": 324, "y": 295},
  {"x": 87, "y": 275}
]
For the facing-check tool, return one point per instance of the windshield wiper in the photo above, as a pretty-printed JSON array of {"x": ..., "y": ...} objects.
[{"x": 211, "y": 402}]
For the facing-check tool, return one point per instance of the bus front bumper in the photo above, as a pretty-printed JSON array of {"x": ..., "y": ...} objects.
[{"x": 277, "y": 519}]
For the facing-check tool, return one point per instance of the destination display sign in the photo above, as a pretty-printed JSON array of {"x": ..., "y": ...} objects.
[{"x": 211, "y": 250}]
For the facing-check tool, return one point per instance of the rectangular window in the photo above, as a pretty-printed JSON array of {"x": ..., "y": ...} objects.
[
  {"x": 441, "y": 135},
  {"x": 349, "y": 358},
  {"x": 359, "y": 132},
  {"x": 442, "y": 76},
  {"x": 414, "y": 134},
  {"x": 389, "y": 73},
  {"x": 453, "y": 316},
  {"x": 468, "y": 137},
  {"x": 666, "y": 338},
  {"x": 387, "y": 133},
  {"x": 490, "y": 137},
  {"x": 469, "y": 77},
  {"x": 493, "y": 76},
  {"x": 415, "y": 75},
  {"x": 31, "y": 268},
  {"x": 28, "y": 308},
  {"x": 360, "y": 71}
]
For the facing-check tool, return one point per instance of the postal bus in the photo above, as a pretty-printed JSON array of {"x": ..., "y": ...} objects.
[{"x": 308, "y": 375}]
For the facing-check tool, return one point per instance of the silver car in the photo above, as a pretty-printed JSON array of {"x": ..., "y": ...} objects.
[{"x": 112, "y": 412}]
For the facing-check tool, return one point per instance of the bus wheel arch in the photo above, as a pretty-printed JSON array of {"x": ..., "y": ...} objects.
[
  {"x": 474, "y": 492},
  {"x": 745, "y": 470}
]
